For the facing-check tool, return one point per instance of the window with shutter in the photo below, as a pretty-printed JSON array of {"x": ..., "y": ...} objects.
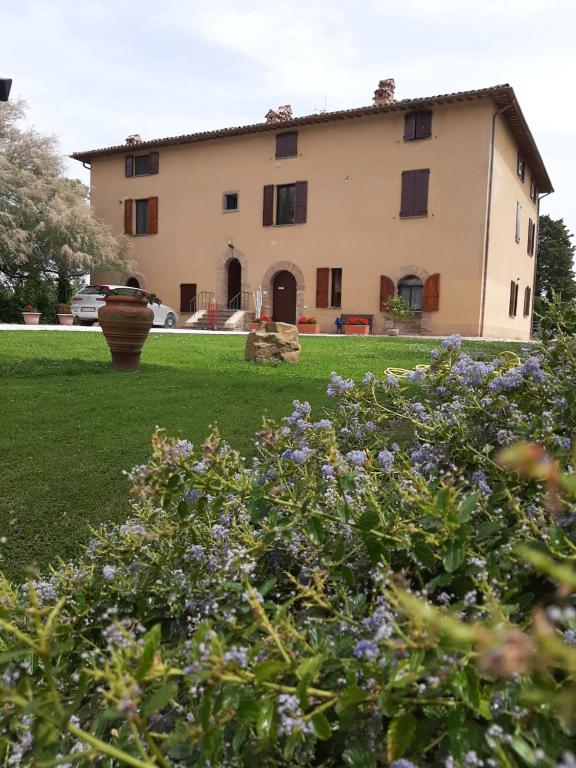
[
  {"x": 513, "y": 303},
  {"x": 386, "y": 291},
  {"x": 336, "y": 287},
  {"x": 322, "y": 286},
  {"x": 533, "y": 189},
  {"x": 285, "y": 204},
  {"x": 414, "y": 196},
  {"x": 418, "y": 125},
  {"x": 527, "y": 301},
  {"x": 432, "y": 293},
  {"x": 531, "y": 237},
  {"x": 128, "y": 212},
  {"x": 129, "y": 165},
  {"x": 286, "y": 145},
  {"x": 521, "y": 167}
]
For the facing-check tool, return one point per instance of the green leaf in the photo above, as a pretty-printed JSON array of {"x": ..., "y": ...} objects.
[
  {"x": 350, "y": 697},
  {"x": 424, "y": 554},
  {"x": 454, "y": 555},
  {"x": 147, "y": 660},
  {"x": 267, "y": 585},
  {"x": 310, "y": 667},
  {"x": 467, "y": 506},
  {"x": 524, "y": 750},
  {"x": 248, "y": 708},
  {"x": 265, "y": 722},
  {"x": 370, "y": 519},
  {"x": 315, "y": 530},
  {"x": 471, "y": 687},
  {"x": 160, "y": 698},
  {"x": 321, "y": 725},
  {"x": 269, "y": 669},
  {"x": 358, "y": 756},
  {"x": 400, "y": 734}
]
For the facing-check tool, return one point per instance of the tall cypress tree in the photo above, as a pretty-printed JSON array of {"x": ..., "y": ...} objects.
[{"x": 555, "y": 267}]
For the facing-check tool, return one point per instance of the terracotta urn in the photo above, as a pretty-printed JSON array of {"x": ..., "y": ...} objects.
[
  {"x": 356, "y": 330},
  {"x": 65, "y": 318},
  {"x": 126, "y": 323},
  {"x": 308, "y": 328},
  {"x": 31, "y": 318}
]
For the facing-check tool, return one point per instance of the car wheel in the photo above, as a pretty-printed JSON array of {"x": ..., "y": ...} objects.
[{"x": 170, "y": 321}]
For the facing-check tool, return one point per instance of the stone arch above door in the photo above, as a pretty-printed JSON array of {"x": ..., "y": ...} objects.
[
  {"x": 267, "y": 284},
  {"x": 222, "y": 262}
]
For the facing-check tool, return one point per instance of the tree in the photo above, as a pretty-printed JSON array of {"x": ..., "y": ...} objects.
[
  {"x": 48, "y": 232},
  {"x": 554, "y": 270}
]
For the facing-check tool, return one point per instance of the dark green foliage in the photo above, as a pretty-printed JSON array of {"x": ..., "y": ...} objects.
[{"x": 555, "y": 260}]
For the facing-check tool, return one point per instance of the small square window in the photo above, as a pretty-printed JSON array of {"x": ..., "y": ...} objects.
[{"x": 230, "y": 202}]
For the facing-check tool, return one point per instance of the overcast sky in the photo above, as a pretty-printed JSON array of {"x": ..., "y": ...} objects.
[{"x": 94, "y": 71}]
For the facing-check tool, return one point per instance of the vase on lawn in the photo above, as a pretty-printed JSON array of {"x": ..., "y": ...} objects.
[
  {"x": 126, "y": 323},
  {"x": 65, "y": 318},
  {"x": 31, "y": 318}
]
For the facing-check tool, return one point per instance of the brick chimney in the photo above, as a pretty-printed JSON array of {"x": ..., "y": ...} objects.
[
  {"x": 384, "y": 94},
  {"x": 281, "y": 115}
]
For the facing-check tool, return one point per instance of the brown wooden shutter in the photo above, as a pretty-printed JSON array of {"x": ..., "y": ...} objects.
[
  {"x": 128, "y": 207},
  {"x": 386, "y": 291},
  {"x": 153, "y": 162},
  {"x": 301, "y": 210},
  {"x": 410, "y": 126},
  {"x": 281, "y": 140},
  {"x": 268, "y": 206},
  {"x": 322, "y": 284},
  {"x": 423, "y": 125},
  {"x": 432, "y": 294},
  {"x": 516, "y": 292},
  {"x": 152, "y": 215},
  {"x": 512, "y": 298},
  {"x": 291, "y": 144},
  {"x": 421, "y": 192},
  {"x": 129, "y": 165},
  {"x": 527, "y": 297},
  {"x": 407, "y": 197}
]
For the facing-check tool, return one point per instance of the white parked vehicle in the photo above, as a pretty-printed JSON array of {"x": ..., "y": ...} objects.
[{"x": 87, "y": 302}]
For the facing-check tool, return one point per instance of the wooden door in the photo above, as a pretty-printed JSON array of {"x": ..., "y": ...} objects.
[
  {"x": 284, "y": 298},
  {"x": 187, "y": 296}
]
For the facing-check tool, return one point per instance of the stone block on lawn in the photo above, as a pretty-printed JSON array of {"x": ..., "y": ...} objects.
[{"x": 273, "y": 341}]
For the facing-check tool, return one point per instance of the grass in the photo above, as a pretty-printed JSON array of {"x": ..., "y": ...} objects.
[{"x": 70, "y": 424}]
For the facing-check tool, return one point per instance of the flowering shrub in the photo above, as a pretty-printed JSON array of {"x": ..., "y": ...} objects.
[
  {"x": 356, "y": 321},
  {"x": 398, "y": 308},
  {"x": 307, "y": 321},
  {"x": 29, "y": 308},
  {"x": 392, "y": 583},
  {"x": 63, "y": 309}
]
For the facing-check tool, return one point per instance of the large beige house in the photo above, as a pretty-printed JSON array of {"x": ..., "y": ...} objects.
[{"x": 434, "y": 198}]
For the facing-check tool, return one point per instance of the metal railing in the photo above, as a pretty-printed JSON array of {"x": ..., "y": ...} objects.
[
  {"x": 240, "y": 301},
  {"x": 201, "y": 301}
]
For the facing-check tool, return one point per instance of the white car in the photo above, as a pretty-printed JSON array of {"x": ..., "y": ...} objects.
[{"x": 87, "y": 302}]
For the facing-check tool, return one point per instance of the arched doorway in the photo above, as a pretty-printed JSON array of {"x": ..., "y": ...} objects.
[
  {"x": 284, "y": 297},
  {"x": 234, "y": 284},
  {"x": 410, "y": 288},
  {"x": 132, "y": 282}
]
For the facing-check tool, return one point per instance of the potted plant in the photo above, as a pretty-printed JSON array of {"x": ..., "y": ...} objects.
[
  {"x": 65, "y": 316},
  {"x": 31, "y": 315},
  {"x": 356, "y": 326},
  {"x": 255, "y": 324},
  {"x": 397, "y": 308},
  {"x": 308, "y": 325},
  {"x": 125, "y": 320}
]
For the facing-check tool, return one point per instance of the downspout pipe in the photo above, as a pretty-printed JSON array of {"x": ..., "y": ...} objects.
[{"x": 488, "y": 216}]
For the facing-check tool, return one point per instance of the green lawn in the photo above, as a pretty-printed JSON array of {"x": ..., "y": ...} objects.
[{"x": 70, "y": 425}]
